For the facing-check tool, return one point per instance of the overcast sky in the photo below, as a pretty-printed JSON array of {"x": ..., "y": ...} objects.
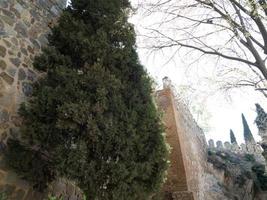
[{"x": 225, "y": 110}]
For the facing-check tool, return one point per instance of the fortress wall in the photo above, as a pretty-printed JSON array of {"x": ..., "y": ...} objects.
[
  {"x": 194, "y": 147},
  {"x": 24, "y": 25},
  {"x": 188, "y": 143}
]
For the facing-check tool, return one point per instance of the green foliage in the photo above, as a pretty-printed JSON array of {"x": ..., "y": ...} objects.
[
  {"x": 249, "y": 157},
  {"x": 3, "y": 196},
  {"x": 261, "y": 119},
  {"x": 259, "y": 170},
  {"x": 92, "y": 119},
  {"x": 22, "y": 158},
  {"x": 247, "y": 133},
  {"x": 232, "y": 137}
]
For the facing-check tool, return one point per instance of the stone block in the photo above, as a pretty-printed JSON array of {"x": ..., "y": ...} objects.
[
  {"x": 12, "y": 71},
  {"x": 2, "y": 64},
  {"x": 7, "y": 43},
  {"x": 18, "y": 7},
  {"x": 3, "y": 4},
  {"x": 2, "y": 51},
  {"x": 7, "y": 78},
  {"x": 21, "y": 29},
  {"x": 7, "y": 20},
  {"x": 219, "y": 144},
  {"x": 4, "y": 116},
  {"x": 8, "y": 13},
  {"x": 15, "y": 61},
  {"x": 21, "y": 74},
  {"x": 211, "y": 144}
]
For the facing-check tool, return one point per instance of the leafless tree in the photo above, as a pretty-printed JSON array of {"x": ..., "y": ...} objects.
[{"x": 234, "y": 31}]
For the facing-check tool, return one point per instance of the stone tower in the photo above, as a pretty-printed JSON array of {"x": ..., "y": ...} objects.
[{"x": 24, "y": 25}]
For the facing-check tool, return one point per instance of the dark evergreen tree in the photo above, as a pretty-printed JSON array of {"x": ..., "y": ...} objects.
[
  {"x": 232, "y": 137},
  {"x": 261, "y": 119},
  {"x": 247, "y": 133},
  {"x": 92, "y": 118},
  {"x": 261, "y": 122}
]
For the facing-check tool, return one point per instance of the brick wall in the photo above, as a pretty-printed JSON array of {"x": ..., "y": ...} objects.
[{"x": 188, "y": 148}]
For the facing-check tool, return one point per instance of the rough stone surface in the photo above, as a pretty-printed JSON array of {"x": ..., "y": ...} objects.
[
  {"x": 4, "y": 116},
  {"x": 9, "y": 80},
  {"x": 21, "y": 74},
  {"x": 2, "y": 51},
  {"x": 234, "y": 172},
  {"x": 27, "y": 88},
  {"x": 2, "y": 64},
  {"x": 23, "y": 31},
  {"x": 15, "y": 61}
]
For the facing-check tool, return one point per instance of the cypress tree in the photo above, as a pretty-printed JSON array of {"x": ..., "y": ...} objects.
[
  {"x": 261, "y": 119},
  {"x": 232, "y": 137},
  {"x": 92, "y": 119},
  {"x": 247, "y": 133}
]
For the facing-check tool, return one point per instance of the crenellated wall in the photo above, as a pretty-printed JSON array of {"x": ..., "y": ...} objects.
[
  {"x": 248, "y": 148},
  {"x": 24, "y": 25},
  {"x": 188, "y": 148},
  {"x": 199, "y": 171}
]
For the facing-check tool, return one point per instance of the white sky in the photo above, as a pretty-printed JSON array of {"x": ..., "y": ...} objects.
[{"x": 225, "y": 114}]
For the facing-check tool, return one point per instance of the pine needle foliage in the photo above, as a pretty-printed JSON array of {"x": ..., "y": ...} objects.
[{"x": 92, "y": 119}]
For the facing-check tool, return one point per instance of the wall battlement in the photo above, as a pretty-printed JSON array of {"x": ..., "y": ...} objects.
[
  {"x": 188, "y": 147},
  {"x": 247, "y": 148}
]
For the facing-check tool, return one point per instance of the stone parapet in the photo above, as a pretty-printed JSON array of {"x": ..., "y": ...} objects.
[{"x": 248, "y": 148}]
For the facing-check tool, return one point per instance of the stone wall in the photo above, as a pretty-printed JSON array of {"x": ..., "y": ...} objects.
[
  {"x": 250, "y": 147},
  {"x": 24, "y": 25},
  {"x": 190, "y": 176},
  {"x": 23, "y": 29}
]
